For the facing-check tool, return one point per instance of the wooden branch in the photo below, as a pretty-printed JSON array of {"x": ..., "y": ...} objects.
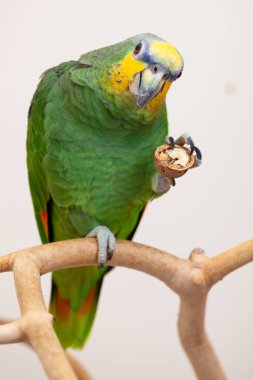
[
  {"x": 191, "y": 279},
  {"x": 10, "y": 337},
  {"x": 80, "y": 372}
]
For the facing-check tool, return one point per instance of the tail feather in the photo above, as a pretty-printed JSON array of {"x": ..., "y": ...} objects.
[{"x": 73, "y": 326}]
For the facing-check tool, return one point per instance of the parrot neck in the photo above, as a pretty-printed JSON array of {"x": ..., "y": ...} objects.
[
  {"x": 124, "y": 103},
  {"x": 123, "y": 106},
  {"x": 113, "y": 91}
]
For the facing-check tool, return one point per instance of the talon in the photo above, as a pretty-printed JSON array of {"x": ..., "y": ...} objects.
[
  {"x": 110, "y": 254},
  {"x": 170, "y": 141},
  {"x": 173, "y": 182},
  {"x": 106, "y": 244},
  {"x": 191, "y": 143},
  {"x": 198, "y": 153},
  {"x": 194, "y": 148},
  {"x": 187, "y": 139}
]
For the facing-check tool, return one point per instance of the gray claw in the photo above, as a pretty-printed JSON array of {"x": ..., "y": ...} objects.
[
  {"x": 198, "y": 153},
  {"x": 186, "y": 139},
  {"x": 173, "y": 182},
  {"x": 170, "y": 141},
  {"x": 106, "y": 244},
  {"x": 191, "y": 143},
  {"x": 194, "y": 148}
]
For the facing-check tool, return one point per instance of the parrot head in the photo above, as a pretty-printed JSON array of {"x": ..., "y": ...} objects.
[
  {"x": 138, "y": 72},
  {"x": 146, "y": 71}
]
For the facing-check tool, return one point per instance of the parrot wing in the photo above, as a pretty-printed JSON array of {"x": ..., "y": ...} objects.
[
  {"x": 73, "y": 318},
  {"x": 36, "y": 150}
]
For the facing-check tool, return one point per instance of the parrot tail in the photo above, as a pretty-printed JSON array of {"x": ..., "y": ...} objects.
[{"x": 73, "y": 326}]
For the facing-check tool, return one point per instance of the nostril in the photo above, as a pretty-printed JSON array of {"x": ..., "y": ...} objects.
[{"x": 166, "y": 76}]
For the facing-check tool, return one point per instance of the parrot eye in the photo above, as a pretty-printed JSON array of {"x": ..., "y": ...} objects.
[
  {"x": 137, "y": 48},
  {"x": 179, "y": 75},
  {"x": 154, "y": 69}
]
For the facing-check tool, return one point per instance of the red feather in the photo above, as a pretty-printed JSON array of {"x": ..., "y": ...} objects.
[{"x": 44, "y": 219}]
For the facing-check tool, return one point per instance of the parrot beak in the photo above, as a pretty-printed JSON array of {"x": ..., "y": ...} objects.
[{"x": 150, "y": 82}]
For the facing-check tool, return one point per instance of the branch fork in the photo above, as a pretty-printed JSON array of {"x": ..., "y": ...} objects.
[{"x": 191, "y": 279}]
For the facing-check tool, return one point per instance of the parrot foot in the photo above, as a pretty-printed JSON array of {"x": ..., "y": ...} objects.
[
  {"x": 106, "y": 244},
  {"x": 161, "y": 184},
  {"x": 185, "y": 138}
]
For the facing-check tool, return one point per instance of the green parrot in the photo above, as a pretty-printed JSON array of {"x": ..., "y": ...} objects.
[{"x": 93, "y": 127}]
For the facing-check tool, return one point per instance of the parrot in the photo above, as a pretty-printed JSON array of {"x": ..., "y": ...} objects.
[{"x": 93, "y": 126}]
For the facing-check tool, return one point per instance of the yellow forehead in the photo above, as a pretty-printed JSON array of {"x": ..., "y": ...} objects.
[
  {"x": 123, "y": 73},
  {"x": 168, "y": 55}
]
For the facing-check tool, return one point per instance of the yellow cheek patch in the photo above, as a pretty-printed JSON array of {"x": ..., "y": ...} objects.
[
  {"x": 123, "y": 73},
  {"x": 167, "y": 55},
  {"x": 155, "y": 103}
]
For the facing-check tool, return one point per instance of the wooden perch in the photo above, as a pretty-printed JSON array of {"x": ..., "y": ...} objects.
[{"x": 191, "y": 279}]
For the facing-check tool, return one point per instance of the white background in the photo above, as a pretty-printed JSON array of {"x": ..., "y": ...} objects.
[{"x": 135, "y": 332}]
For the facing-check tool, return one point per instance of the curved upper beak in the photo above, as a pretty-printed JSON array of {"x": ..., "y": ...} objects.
[{"x": 149, "y": 82}]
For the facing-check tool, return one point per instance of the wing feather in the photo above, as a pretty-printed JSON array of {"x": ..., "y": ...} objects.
[{"x": 36, "y": 146}]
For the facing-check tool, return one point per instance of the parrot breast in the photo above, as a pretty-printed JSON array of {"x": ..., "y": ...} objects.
[{"x": 98, "y": 166}]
